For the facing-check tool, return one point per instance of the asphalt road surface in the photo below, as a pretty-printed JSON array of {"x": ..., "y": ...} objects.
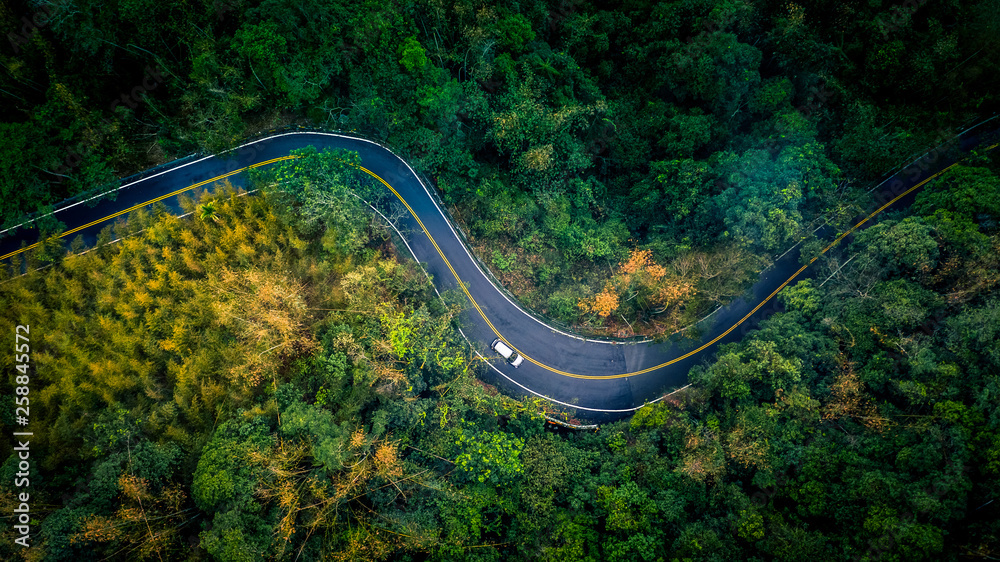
[{"x": 600, "y": 380}]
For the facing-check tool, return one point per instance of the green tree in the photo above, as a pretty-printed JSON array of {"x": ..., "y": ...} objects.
[
  {"x": 890, "y": 249},
  {"x": 224, "y": 485},
  {"x": 264, "y": 48},
  {"x": 413, "y": 57},
  {"x": 969, "y": 192},
  {"x": 737, "y": 369},
  {"x": 765, "y": 196},
  {"x": 715, "y": 68},
  {"x": 328, "y": 438},
  {"x": 488, "y": 456}
]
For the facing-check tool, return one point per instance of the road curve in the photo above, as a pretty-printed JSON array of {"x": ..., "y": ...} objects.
[{"x": 600, "y": 380}]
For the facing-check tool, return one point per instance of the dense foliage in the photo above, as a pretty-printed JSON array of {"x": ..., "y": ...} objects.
[
  {"x": 261, "y": 381},
  {"x": 264, "y": 380},
  {"x": 561, "y": 133}
]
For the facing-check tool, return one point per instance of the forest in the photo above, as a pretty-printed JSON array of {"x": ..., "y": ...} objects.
[{"x": 271, "y": 378}]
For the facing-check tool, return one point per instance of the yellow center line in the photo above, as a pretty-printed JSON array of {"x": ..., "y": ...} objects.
[
  {"x": 793, "y": 276},
  {"x": 469, "y": 295},
  {"x": 140, "y": 205},
  {"x": 672, "y": 361}
]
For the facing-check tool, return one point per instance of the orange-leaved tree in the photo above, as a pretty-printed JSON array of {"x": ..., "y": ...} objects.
[{"x": 642, "y": 290}]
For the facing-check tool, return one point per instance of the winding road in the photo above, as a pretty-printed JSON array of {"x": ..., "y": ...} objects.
[{"x": 596, "y": 380}]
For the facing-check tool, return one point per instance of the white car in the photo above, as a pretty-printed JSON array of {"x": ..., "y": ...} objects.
[{"x": 508, "y": 353}]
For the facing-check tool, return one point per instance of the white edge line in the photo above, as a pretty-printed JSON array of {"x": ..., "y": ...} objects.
[
  {"x": 504, "y": 375},
  {"x": 440, "y": 211},
  {"x": 119, "y": 188},
  {"x": 462, "y": 244},
  {"x": 457, "y": 237},
  {"x": 491, "y": 365},
  {"x": 903, "y": 168}
]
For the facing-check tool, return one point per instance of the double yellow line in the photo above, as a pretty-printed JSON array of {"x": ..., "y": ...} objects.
[
  {"x": 796, "y": 274},
  {"x": 140, "y": 205},
  {"x": 672, "y": 361},
  {"x": 469, "y": 295}
]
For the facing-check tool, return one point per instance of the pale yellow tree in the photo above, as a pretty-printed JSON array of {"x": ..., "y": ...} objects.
[{"x": 269, "y": 313}]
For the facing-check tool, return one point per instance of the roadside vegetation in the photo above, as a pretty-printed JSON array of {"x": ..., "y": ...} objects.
[
  {"x": 264, "y": 380},
  {"x": 564, "y": 136},
  {"x": 267, "y": 379}
]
